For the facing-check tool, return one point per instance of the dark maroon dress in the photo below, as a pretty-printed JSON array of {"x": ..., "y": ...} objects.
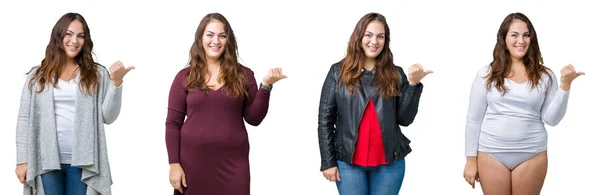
[{"x": 211, "y": 144}]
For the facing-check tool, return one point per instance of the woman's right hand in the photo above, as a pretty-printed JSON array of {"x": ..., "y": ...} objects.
[
  {"x": 332, "y": 174},
  {"x": 21, "y": 172},
  {"x": 177, "y": 177},
  {"x": 470, "y": 173}
]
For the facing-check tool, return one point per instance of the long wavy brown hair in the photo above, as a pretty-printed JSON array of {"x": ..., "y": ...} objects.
[
  {"x": 233, "y": 75},
  {"x": 386, "y": 74},
  {"x": 53, "y": 63},
  {"x": 500, "y": 67}
]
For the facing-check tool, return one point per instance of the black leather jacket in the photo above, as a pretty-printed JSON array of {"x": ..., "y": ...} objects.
[{"x": 340, "y": 115}]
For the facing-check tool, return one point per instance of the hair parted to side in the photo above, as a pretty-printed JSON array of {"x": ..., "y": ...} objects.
[
  {"x": 386, "y": 75},
  {"x": 500, "y": 66},
  {"x": 53, "y": 63},
  {"x": 233, "y": 75}
]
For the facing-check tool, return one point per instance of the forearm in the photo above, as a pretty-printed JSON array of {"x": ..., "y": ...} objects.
[
  {"x": 23, "y": 131},
  {"x": 409, "y": 104},
  {"x": 172, "y": 139},
  {"x": 257, "y": 109},
  {"x": 111, "y": 106}
]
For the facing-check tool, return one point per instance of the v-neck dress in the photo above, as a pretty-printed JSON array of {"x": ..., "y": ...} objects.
[{"x": 207, "y": 135}]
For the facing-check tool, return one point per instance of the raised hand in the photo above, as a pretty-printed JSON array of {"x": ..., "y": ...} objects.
[
  {"x": 568, "y": 74},
  {"x": 416, "y": 73},
  {"x": 117, "y": 72},
  {"x": 274, "y": 75}
]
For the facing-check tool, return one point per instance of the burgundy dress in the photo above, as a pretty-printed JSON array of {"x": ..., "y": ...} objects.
[{"x": 212, "y": 143}]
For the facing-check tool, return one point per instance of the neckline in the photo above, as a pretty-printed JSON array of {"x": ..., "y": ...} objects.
[
  {"x": 368, "y": 72},
  {"x": 512, "y": 81},
  {"x": 215, "y": 89},
  {"x": 73, "y": 76}
]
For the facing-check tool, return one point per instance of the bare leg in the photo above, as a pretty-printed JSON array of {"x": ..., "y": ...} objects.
[
  {"x": 494, "y": 177},
  {"x": 528, "y": 178}
]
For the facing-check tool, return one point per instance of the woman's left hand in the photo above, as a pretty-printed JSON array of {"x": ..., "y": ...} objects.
[
  {"x": 275, "y": 74},
  {"x": 416, "y": 73},
  {"x": 117, "y": 72},
  {"x": 568, "y": 74}
]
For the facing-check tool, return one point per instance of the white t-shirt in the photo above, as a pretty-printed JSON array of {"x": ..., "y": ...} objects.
[
  {"x": 64, "y": 108},
  {"x": 514, "y": 122}
]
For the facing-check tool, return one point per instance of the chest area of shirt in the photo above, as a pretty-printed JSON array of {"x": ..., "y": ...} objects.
[
  {"x": 213, "y": 99},
  {"x": 65, "y": 92},
  {"x": 518, "y": 94}
]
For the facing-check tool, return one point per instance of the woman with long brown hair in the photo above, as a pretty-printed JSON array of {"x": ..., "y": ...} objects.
[
  {"x": 511, "y": 99},
  {"x": 209, "y": 100},
  {"x": 364, "y": 99},
  {"x": 61, "y": 147}
]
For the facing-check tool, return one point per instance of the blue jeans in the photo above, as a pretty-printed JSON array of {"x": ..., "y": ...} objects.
[
  {"x": 380, "y": 180},
  {"x": 66, "y": 181}
]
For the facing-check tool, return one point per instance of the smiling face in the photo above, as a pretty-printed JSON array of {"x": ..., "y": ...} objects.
[
  {"x": 74, "y": 39},
  {"x": 518, "y": 39},
  {"x": 373, "y": 40},
  {"x": 214, "y": 40}
]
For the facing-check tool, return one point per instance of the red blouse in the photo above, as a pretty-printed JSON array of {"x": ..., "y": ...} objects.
[{"x": 369, "y": 145}]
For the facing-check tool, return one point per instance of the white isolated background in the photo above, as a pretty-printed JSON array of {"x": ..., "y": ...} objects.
[{"x": 453, "y": 38}]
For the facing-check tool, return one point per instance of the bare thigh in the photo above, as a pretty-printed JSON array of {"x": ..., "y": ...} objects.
[
  {"x": 528, "y": 178},
  {"x": 493, "y": 175}
]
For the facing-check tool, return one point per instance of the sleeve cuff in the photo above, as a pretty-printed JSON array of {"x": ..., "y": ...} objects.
[
  {"x": 263, "y": 93},
  {"x": 562, "y": 92},
  {"x": 417, "y": 86},
  {"x": 21, "y": 160},
  {"x": 112, "y": 86},
  {"x": 328, "y": 165}
]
